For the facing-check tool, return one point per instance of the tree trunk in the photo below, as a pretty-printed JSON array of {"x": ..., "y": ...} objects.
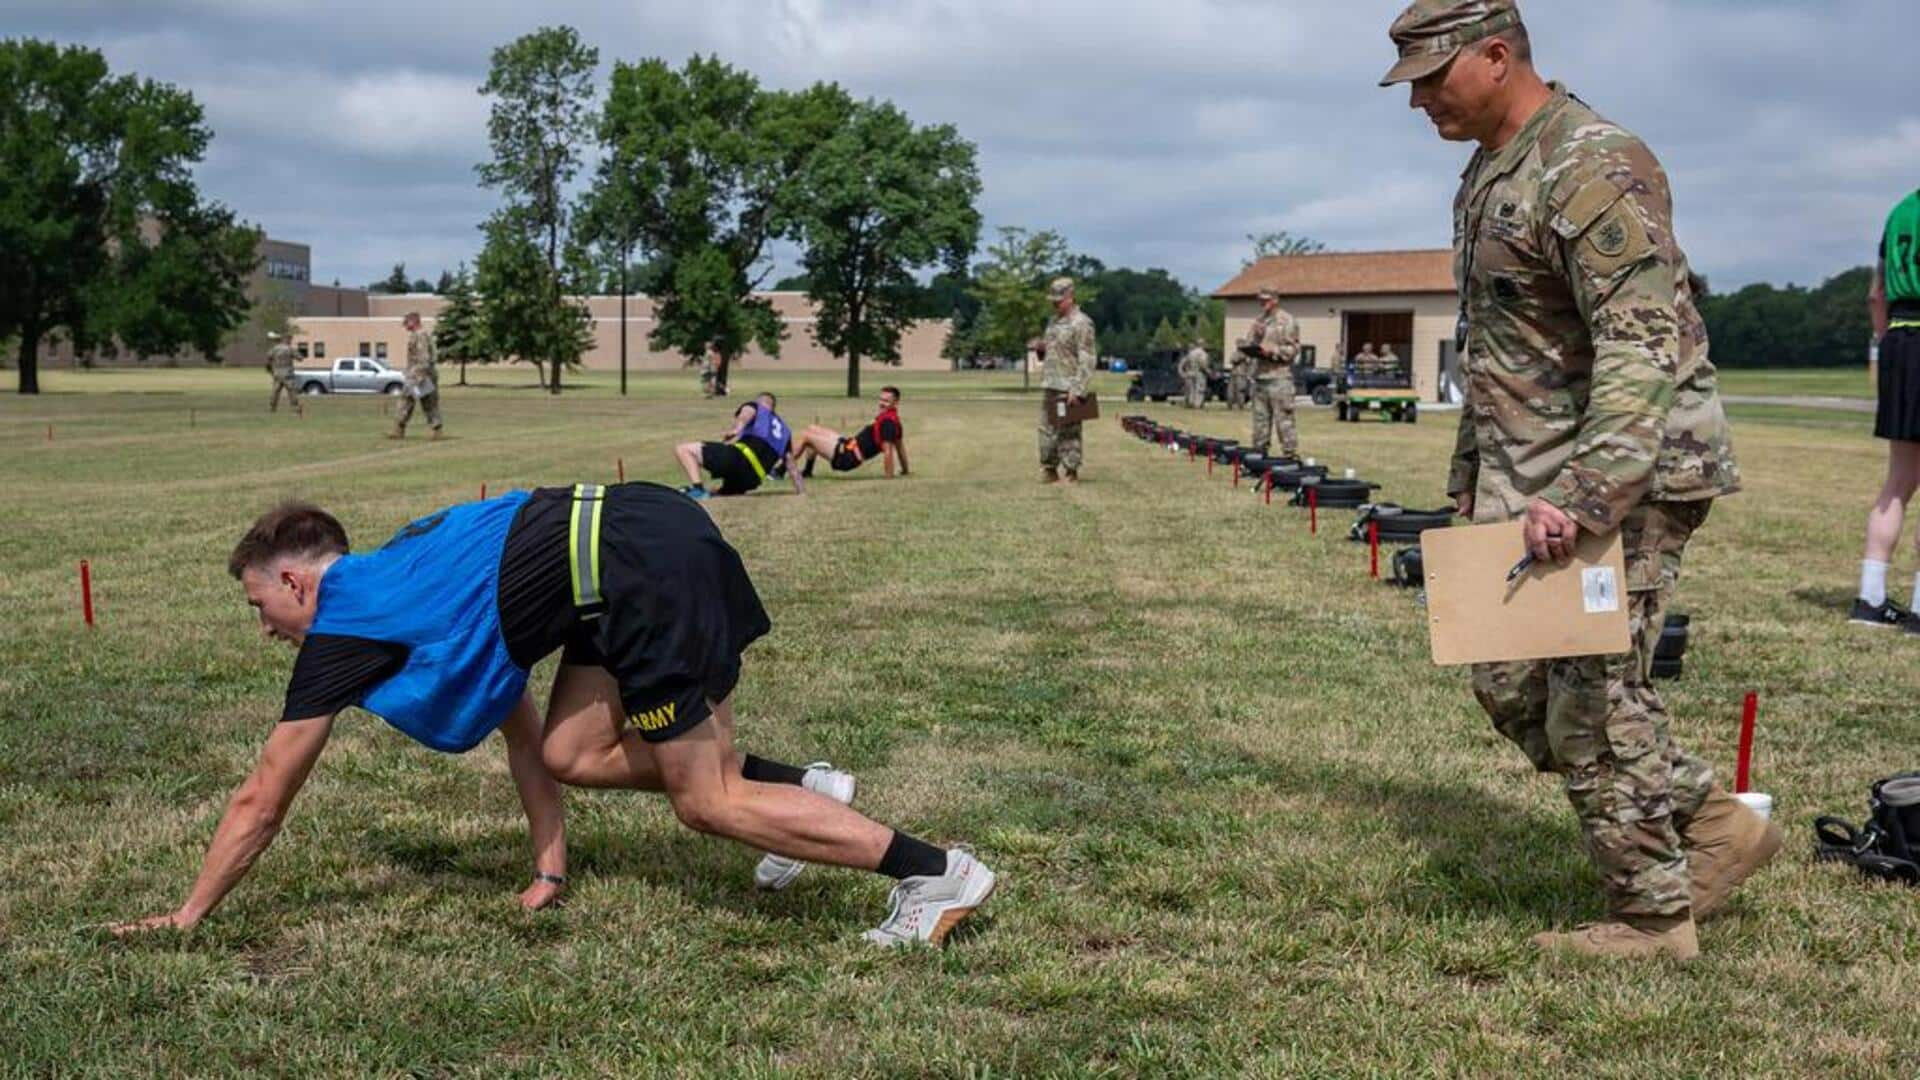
[
  {"x": 853, "y": 374},
  {"x": 463, "y": 371},
  {"x": 720, "y": 377},
  {"x": 554, "y": 388},
  {"x": 30, "y": 360}
]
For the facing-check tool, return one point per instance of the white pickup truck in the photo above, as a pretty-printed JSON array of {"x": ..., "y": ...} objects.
[{"x": 350, "y": 375}]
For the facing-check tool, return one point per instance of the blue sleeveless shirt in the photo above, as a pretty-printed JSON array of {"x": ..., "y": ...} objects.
[
  {"x": 770, "y": 429},
  {"x": 434, "y": 588}
]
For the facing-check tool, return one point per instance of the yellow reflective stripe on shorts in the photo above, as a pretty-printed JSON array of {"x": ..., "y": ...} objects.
[
  {"x": 1904, "y": 324},
  {"x": 753, "y": 460},
  {"x": 583, "y": 544}
]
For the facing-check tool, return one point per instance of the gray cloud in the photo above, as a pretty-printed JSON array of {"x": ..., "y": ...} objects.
[{"x": 1151, "y": 134}]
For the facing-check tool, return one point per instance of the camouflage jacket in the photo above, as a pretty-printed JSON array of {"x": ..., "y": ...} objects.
[
  {"x": 1194, "y": 362},
  {"x": 1588, "y": 382},
  {"x": 1279, "y": 335},
  {"x": 280, "y": 361},
  {"x": 1071, "y": 354},
  {"x": 422, "y": 358}
]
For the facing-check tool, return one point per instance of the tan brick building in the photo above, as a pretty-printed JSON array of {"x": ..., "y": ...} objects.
[{"x": 1345, "y": 299}]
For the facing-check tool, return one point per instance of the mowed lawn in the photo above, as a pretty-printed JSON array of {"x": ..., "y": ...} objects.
[{"x": 1243, "y": 825}]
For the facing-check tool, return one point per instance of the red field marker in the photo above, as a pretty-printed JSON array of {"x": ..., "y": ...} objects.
[
  {"x": 86, "y": 593},
  {"x": 1209, "y": 464},
  {"x": 1313, "y": 510},
  {"x": 1373, "y": 542},
  {"x": 483, "y": 491},
  {"x": 1743, "y": 772},
  {"x": 1269, "y": 494},
  {"x": 621, "y": 465},
  {"x": 1236, "y": 474}
]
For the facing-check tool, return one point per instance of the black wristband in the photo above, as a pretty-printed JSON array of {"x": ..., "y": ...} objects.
[{"x": 551, "y": 879}]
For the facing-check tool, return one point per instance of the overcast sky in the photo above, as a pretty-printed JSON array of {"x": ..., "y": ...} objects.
[{"x": 1148, "y": 133}]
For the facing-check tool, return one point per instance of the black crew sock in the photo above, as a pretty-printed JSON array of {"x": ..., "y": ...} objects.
[
  {"x": 907, "y": 857},
  {"x": 807, "y": 471},
  {"x": 761, "y": 771}
]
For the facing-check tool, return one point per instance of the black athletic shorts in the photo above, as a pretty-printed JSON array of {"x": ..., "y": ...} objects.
[
  {"x": 846, "y": 456},
  {"x": 679, "y": 608},
  {"x": 728, "y": 463},
  {"x": 1898, "y": 414}
]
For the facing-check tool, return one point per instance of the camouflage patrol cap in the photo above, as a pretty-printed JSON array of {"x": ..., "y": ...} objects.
[
  {"x": 1060, "y": 289},
  {"x": 1269, "y": 293},
  {"x": 1430, "y": 33}
]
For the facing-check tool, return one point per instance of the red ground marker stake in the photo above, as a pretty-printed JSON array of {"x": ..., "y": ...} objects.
[
  {"x": 86, "y": 593},
  {"x": 483, "y": 491},
  {"x": 621, "y": 466},
  {"x": 1373, "y": 541},
  {"x": 1743, "y": 772},
  {"x": 1236, "y": 474},
  {"x": 1269, "y": 495},
  {"x": 1209, "y": 464},
  {"x": 1313, "y": 510}
]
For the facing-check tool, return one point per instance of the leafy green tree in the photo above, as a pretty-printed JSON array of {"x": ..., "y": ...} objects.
[
  {"x": 1764, "y": 326},
  {"x": 712, "y": 161},
  {"x": 1165, "y": 337},
  {"x": 1281, "y": 242},
  {"x": 542, "y": 90},
  {"x": 522, "y": 316},
  {"x": 1012, "y": 291},
  {"x": 445, "y": 284},
  {"x": 104, "y": 237},
  {"x": 460, "y": 333},
  {"x": 880, "y": 201},
  {"x": 394, "y": 283}
]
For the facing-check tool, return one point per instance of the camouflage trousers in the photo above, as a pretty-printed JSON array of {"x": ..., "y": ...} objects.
[
  {"x": 1239, "y": 390},
  {"x": 1060, "y": 446},
  {"x": 285, "y": 385},
  {"x": 1196, "y": 391},
  {"x": 1273, "y": 412},
  {"x": 1599, "y": 723},
  {"x": 429, "y": 403}
]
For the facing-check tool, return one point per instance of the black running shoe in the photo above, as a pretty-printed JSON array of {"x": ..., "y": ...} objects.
[{"x": 1888, "y": 616}]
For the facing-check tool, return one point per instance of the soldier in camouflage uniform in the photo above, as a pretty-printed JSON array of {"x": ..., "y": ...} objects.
[
  {"x": 1273, "y": 342},
  {"x": 280, "y": 365},
  {"x": 1591, "y": 404},
  {"x": 423, "y": 379},
  {"x": 1239, "y": 380},
  {"x": 1067, "y": 359},
  {"x": 1193, "y": 368}
]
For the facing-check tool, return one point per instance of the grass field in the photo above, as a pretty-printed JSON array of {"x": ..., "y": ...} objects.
[
  {"x": 1243, "y": 825},
  {"x": 1850, "y": 382}
]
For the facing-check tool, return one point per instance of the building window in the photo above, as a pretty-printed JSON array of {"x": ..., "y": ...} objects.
[
  {"x": 380, "y": 351},
  {"x": 319, "y": 350},
  {"x": 300, "y": 350},
  {"x": 286, "y": 271},
  {"x": 366, "y": 348}
]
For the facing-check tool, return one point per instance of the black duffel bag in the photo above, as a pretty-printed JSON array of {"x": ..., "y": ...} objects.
[
  {"x": 1888, "y": 845},
  {"x": 1398, "y": 525},
  {"x": 1288, "y": 476},
  {"x": 1337, "y": 494},
  {"x": 1409, "y": 568}
]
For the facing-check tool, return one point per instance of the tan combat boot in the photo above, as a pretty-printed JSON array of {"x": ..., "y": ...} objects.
[
  {"x": 1070, "y": 477},
  {"x": 397, "y": 433},
  {"x": 1726, "y": 844},
  {"x": 1049, "y": 475},
  {"x": 1630, "y": 937},
  {"x": 436, "y": 435}
]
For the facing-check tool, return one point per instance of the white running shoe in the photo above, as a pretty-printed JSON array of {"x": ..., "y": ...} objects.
[
  {"x": 928, "y": 908},
  {"x": 776, "y": 872}
]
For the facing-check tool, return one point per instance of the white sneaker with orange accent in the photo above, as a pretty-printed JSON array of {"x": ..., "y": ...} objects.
[
  {"x": 776, "y": 872},
  {"x": 926, "y": 909}
]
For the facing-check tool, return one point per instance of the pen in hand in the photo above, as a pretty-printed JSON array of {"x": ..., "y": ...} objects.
[{"x": 1525, "y": 564}]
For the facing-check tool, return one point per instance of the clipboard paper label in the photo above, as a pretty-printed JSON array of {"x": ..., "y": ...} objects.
[{"x": 1600, "y": 590}]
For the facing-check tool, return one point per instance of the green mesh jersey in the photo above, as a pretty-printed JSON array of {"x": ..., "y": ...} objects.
[{"x": 1900, "y": 251}]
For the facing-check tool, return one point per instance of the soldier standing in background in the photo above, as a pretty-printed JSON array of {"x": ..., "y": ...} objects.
[
  {"x": 1272, "y": 345},
  {"x": 1067, "y": 359},
  {"x": 423, "y": 379},
  {"x": 1591, "y": 404},
  {"x": 280, "y": 365},
  {"x": 1239, "y": 380},
  {"x": 1194, "y": 367}
]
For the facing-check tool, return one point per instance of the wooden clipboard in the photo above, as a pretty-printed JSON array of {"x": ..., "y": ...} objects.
[
  {"x": 1059, "y": 412},
  {"x": 1475, "y": 617}
]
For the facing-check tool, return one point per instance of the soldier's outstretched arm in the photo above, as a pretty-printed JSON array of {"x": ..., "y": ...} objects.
[
  {"x": 252, "y": 819},
  {"x": 1624, "y": 283},
  {"x": 541, "y": 799}
]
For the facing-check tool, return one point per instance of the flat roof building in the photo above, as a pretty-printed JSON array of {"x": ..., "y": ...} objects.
[{"x": 1344, "y": 300}]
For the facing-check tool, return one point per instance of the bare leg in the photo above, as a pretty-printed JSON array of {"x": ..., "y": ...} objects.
[
  {"x": 1888, "y": 518},
  {"x": 584, "y": 745},
  {"x": 701, "y": 772},
  {"x": 689, "y": 457}
]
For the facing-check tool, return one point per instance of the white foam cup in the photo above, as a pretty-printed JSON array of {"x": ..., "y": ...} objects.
[
  {"x": 1351, "y": 474},
  {"x": 1758, "y": 802}
]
